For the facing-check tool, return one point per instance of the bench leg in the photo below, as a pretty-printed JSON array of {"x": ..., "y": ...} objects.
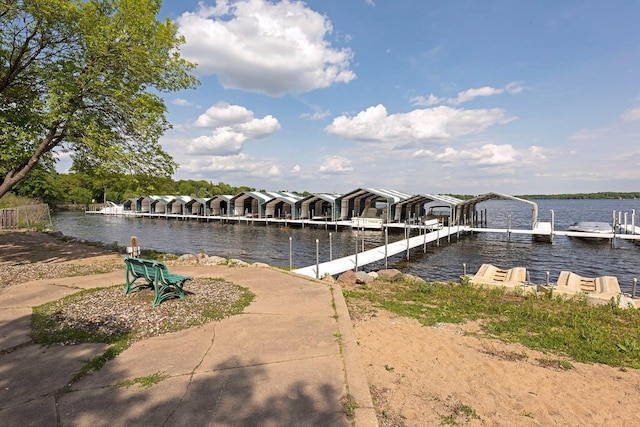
[
  {"x": 131, "y": 286},
  {"x": 168, "y": 290}
]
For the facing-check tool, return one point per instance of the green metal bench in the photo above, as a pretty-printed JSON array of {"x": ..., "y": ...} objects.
[{"x": 154, "y": 274}]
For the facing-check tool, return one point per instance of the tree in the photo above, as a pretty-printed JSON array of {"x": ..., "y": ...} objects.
[{"x": 83, "y": 76}]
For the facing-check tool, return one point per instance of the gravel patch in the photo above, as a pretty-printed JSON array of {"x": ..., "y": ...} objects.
[
  {"x": 109, "y": 313},
  {"x": 11, "y": 275}
]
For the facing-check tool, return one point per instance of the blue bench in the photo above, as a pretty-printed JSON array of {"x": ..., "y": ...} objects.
[{"x": 156, "y": 275}]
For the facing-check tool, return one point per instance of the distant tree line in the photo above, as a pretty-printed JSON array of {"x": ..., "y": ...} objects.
[
  {"x": 48, "y": 186},
  {"x": 599, "y": 195},
  {"x": 79, "y": 188}
]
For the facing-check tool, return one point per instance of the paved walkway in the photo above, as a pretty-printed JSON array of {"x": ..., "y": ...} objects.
[{"x": 285, "y": 361}]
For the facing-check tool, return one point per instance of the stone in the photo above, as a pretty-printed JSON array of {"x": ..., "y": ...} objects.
[
  {"x": 413, "y": 279},
  {"x": 363, "y": 277},
  {"x": 213, "y": 260},
  {"x": 348, "y": 278},
  {"x": 390, "y": 275},
  {"x": 374, "y": 275},
  {"x": 259, "y": 264}
]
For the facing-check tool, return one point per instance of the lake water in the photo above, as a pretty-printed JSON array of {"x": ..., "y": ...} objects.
[{"x": 270, "y": 244}]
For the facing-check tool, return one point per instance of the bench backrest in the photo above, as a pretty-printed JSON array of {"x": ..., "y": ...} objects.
[{"x": 145, "y": 267}]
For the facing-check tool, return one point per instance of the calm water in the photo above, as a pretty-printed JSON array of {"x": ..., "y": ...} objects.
[{"x": 270, "y": 244}]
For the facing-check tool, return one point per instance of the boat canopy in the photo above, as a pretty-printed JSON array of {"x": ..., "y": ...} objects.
[{"x": 466, "y": 209}]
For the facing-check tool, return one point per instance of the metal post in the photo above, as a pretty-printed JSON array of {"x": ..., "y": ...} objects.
[
  {"x": 317, "y": 259},
  {"x": 424, "y": 231},
  {"x": 357, "y": 230},
  {"x": 509, "y": 228},
  {"x": 633, "y": 290},
  {"x": 626, "y": 229},
  {"x": 290, "y": 253},
  {"x": 330, "y": 247},
  {"x": 407, "y": 237},
  {"x": 386, "y": 243},
  {"x": 547, "y": 278},
  {"x": 552, "y": 224},
  {"x": 438, "y": 237},
  {"x": 464, "y": 269}
]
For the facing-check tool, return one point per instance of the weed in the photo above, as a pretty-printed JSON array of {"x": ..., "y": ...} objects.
[
  {"x": 143, "y": 382},
  {"x": 556, "y": 363},
  {"x": 389, "y": 368},
  {"x": 459, "y": 411},
  {"x": 349, "y": 406}
]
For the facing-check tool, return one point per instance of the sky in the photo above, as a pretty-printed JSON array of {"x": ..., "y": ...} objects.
[{"x": 419, "y": 96}]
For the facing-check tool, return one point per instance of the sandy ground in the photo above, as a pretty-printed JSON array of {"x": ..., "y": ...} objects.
[{"x": 424, "y": 376}]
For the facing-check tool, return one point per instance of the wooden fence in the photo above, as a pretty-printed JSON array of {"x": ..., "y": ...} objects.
[{"x": 34, "y": 216}]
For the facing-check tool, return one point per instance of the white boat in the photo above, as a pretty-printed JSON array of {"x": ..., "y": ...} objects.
[
  {"x": 591, "y": 229},
  {"x": 112, "y": 209}
]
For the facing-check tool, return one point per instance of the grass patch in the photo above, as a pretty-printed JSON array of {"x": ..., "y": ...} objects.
[
  {"x": 459, "y": 413},
  {"x": 143, "y": 382},
  {"x": 567, "y": 327}
]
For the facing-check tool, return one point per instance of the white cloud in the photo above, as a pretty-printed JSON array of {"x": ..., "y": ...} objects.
[
  {"x": 260, "y": 46},
  {"x": 470, "y": 94},
  {"x": 233, "y": 125},
  {"x": 631, "y": 115},
  {"x": 240, "y": 164},
  {"x": 182, "y": 102},
  {"x": 428, "y": 101},
  {"x": 335, "y": 165},
  {"x": 318, "y": 115},
  {"x": 422, "y": 125},
  {"x": 223, "y": 114},
  {"x": 486, "y": 155},
  {"x": 296, "y": 169}
]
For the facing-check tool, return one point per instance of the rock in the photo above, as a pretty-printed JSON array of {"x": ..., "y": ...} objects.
[
  {"x": 413, "y": 279},
  {"x": 363, "y": 277},
  {"x": 237, "y": 262},
  {"x": 259, "y": 265},
  {"x": 348, "y": 278},
  {"x": 373, "y": 275},
  {"x": 187, "y": 259},
  {"x": 390, "y": 275},
  {"x": 213, "y": 260},
  {"x": 328, "y": 278}
]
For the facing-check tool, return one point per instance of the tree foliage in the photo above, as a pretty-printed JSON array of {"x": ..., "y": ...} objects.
[{"x": 83, "y": 76}]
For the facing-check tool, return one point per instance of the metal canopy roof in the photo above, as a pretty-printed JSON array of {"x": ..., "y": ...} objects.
[{"x": 468, "y": 204}]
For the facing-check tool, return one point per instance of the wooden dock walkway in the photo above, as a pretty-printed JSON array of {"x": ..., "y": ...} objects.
[{"x": 360, "y": 259}]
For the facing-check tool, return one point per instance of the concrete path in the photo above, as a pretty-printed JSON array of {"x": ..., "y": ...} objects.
[{"x": 288, "y": 360}]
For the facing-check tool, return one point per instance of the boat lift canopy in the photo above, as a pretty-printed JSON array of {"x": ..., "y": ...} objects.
[{"x": 466, "y": 208}]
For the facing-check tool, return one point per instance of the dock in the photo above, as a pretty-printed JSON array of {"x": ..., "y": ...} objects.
[{"x": 379, "y": 253}]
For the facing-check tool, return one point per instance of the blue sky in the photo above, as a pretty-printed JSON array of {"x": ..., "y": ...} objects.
[{"x": 419, "y": 96}]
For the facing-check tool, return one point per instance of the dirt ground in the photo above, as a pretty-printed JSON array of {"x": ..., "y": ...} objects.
[{"x": 424, "y": 376}]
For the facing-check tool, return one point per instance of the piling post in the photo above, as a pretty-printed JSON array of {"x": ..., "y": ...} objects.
[
  {"x": 547, "y": 279},
  {"x": 424, "y": 231},
  {"x": 357, "y": 236},
  {"x": 626, "y": 230},
  {"x": 552, "y": 214},
  {"x": 330, "y": 247},
  {"x": 438, "y": 237},
  {"x": 509, "y": 228},
  {"x": 386, "y": 243},
  {"x": 407, "y": 237},
  {"x": 633, "y": 289},
  {"x": 290, "y": 253},
  {"x": 464, "y": 269},
  {"x": 317, "y": 259}
]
